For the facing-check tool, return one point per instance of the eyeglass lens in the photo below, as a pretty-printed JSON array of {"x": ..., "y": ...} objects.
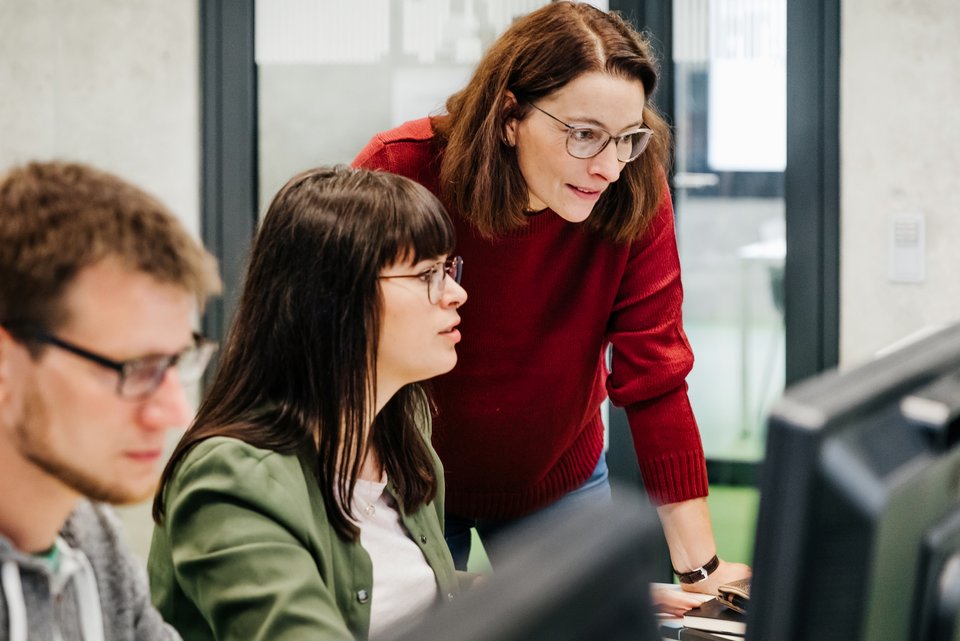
[
  {"x": 142, "y": 377},
  {"x": 587, "y": 142},
  {"x": 437, "y": 286}
]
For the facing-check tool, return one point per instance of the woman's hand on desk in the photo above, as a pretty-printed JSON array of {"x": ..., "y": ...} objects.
[
  {"x": 668, "y": 600},
  {"x": 725, "y": 573}
]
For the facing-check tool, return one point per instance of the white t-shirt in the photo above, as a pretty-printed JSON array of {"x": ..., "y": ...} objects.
[{"x": 403, "y": 582}]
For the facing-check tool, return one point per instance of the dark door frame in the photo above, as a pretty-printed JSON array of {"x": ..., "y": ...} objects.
[{"x": 229, "y": 156}]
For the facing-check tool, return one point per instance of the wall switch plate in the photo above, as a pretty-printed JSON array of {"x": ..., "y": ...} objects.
[{"x": 908, "y": 248}]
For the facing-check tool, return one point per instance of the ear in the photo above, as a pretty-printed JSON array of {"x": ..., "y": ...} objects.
[
  {"x": 13, "y": 356},
  {"x": 6, "y": 357},
  {"x": 508, "y": 105}
]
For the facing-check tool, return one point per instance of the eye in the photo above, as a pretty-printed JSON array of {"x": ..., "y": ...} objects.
[
  {"x": 585, "y": 134},
  {"x": 148, "y": 364},
  {"x": 427, "y": 274},
  {"x": 141, "y": 374}
]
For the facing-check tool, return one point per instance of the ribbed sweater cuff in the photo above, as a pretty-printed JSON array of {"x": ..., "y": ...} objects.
[{"x": 674, "y": 477}]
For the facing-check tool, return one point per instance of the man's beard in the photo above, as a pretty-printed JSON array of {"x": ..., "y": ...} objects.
[{"x": 32, "y": 439}]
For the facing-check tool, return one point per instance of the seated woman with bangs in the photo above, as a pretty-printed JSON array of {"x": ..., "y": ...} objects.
[{"x": 306, "y": 500}]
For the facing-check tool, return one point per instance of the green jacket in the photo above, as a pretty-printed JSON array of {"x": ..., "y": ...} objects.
[{"x": 246, "y": 552}]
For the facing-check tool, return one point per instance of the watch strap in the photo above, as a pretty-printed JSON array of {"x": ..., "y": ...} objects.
[{"x": 699, "y": 574}]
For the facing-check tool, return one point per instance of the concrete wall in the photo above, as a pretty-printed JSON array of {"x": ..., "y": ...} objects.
[
  {"x": 900, "y": 153},
  {"x": 114, "y": 83},
  {"x": 110, "y": 82}
]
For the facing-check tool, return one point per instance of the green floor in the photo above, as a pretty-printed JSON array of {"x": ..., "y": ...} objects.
[
  {"x": 478, "y": 561},
  {"x": 733, "y": 511}
]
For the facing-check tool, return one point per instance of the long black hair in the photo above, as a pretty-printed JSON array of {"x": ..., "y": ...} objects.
[{"x": 298, "y": 369}]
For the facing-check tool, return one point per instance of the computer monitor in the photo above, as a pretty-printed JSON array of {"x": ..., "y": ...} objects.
[
  {"x": 858, "y": 531},
  {"x": 583, "y": 576}
]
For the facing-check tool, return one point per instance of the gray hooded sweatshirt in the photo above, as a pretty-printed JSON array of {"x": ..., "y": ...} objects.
[{"x": 94, "y": 590}]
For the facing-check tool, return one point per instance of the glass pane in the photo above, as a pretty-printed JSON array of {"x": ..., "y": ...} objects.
[
  {"x": 332, "y": 74},
  {"x": 730, "y": 93}
]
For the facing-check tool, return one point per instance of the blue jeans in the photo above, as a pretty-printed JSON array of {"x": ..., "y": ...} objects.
[{"x": 457, "y": 528}]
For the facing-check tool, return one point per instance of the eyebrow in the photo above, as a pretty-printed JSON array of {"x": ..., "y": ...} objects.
[
  {"x": 597, "y": 123},
  {"x": 427, "y": 263}
]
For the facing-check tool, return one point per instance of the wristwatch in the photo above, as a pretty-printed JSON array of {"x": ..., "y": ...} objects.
[{"x": 699, "y": 574}]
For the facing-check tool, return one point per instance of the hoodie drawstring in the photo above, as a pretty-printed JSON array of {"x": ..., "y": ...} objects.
[
  {"x": 16, "y": 609},
  {"x": 88, "y": 596},
  {"x": 74, "y": 566}
]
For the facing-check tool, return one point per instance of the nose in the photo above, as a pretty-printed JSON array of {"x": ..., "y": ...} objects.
[
  {"x": 167, "y": 407},
  {"x": 454, "y": 295},
  {"x": 606, "y": 164}
]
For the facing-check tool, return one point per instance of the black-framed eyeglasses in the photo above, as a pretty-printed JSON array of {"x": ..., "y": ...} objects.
[
  {"x": 586, "y": 141},
  {"x": 435, "y": 277},
  {"x": 140, "y": 377}
]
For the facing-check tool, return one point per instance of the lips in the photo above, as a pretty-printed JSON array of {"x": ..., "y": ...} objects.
[
  {"x": 582, "y": 192},
  {"x": 144, "y": 456},
  {"x": 450, "y": 328},
  {"x": 452, "y": 332}
]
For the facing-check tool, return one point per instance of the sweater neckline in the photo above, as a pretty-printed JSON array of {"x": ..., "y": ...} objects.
[{"x": 537, "y": 222}]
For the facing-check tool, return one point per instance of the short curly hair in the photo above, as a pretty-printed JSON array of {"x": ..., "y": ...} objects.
[{"x": 57, "y": 218}]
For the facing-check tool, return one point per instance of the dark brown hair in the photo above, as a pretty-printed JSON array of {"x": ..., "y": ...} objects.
[
  {"x": 57, "y": 218},
  {"x": 298, "y": 369},
  {"x": 536, "y": 56}
]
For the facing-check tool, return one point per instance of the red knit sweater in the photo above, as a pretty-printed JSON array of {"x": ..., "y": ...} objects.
[{"x": 518, "y": 422}]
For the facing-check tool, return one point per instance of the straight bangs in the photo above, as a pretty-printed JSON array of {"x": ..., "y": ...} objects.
[{"x": 416, "y": 227}]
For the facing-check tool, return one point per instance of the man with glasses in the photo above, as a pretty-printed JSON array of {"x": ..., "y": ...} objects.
[{"x": 99, "y": 289}]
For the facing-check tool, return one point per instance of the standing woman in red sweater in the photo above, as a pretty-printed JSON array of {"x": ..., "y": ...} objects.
[{"x": 552, "y": 163}]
